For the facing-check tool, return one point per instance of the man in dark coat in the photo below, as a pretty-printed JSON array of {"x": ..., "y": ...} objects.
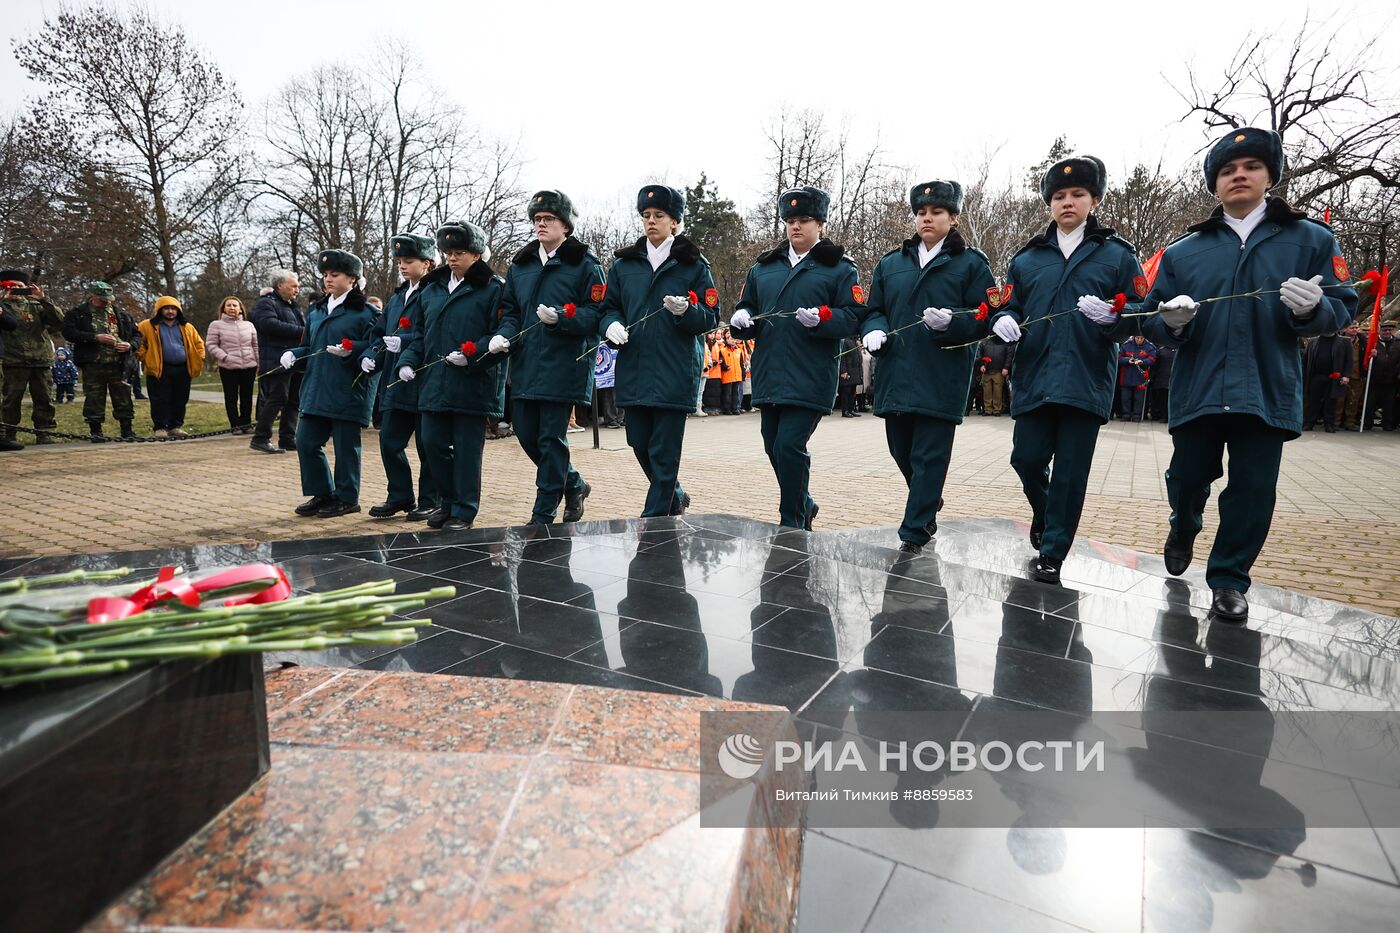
[
  {"x": 1158, "y": 390},
  {"x": 1384, "y": 376},
  {"x": 1063, "y": 288},
  {"x": 549, "y": 316},
  {"x": 1237, "y": 382},
  {"x": 799, "y": 300},
  {"x": 280, "y": 325},
  {"x": 995, "y": 367},
  {"x": 1136, "y": 358},
  {"x": 103, "y": 337},
  {"x": 1327, "y": 363}
]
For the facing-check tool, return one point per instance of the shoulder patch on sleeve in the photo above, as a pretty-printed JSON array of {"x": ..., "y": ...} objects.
[
  {"x": 858, "y": 294},
  {"x": 599, "y": 291},
  {"x": 1140, "y": 286},
  {"x": 712, "y": 297},
  {"x": 1340, "y": 270}
]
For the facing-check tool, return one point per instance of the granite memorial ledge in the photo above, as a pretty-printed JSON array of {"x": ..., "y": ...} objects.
[{"x": 433, "y": 802}]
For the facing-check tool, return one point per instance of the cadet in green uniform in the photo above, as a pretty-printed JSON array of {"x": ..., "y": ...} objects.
[
  {"x": 398, "y": 402},
  {"x": 922, "y": 389},
  {"x": 1237, "y": 381},
  {"x": 799, "y": 300},
  {"x": 461, "y": 383},
  {"x": 1066, "y": 369},
  {"x": 28, "y": 355},
  {"x": 549, "y": 315},
  {"x": 103, "y": 338},
  {"x": 340, "y": 326},
  {"x": 661, "y": 301}
]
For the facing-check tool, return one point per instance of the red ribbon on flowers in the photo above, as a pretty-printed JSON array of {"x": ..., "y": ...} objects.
[{"x": 110, "y": 608}]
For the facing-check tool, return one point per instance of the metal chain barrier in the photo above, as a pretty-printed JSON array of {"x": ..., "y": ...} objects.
[{"x": 103, "y": 439}]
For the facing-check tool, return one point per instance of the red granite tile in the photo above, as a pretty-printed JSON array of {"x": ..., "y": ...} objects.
[
  {"x": 335, "y": 839},
  {"x": 640, "y": 729},
  {"x": 296, "y": 713},
  {"x": 575, "y": 817},
  {"x": 289, "y": 683},
  {"x": 439, "y": 713}
]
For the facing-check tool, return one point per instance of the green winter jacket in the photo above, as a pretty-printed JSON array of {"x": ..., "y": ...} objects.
[
  {"x": 916, "y": 374},
  {"x": 660, "y": 364},
  {"x": 794, "y": 364},
  {"x": 333, "y": 386},
  {"x": 448, "y": 320},
  {"x": 552, "y": 362},
  {"x": 1241, "y": 356}
]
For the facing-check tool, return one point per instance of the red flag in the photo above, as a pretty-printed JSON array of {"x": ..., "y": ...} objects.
[
  {"x": 1149, "y": 268},
  {"x": 1376, "y": 315},
  {"x": 1327, "y": 214}
]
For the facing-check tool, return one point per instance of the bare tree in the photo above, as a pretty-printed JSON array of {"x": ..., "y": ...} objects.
[
  {"x": 1320, "y": 91},
  {"x": 801, "y": 152},
  {"x": 130, "y": 98}
]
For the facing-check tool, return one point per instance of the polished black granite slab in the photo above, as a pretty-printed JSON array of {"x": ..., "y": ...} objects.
[
  {"x": 102, "y": 779},
  {"x": 832, "y": 624}
]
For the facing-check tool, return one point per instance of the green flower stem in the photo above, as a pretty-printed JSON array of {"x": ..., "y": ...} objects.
[
  {"x": 19, "y": 584},
  {"x": 56, "y": 673}
]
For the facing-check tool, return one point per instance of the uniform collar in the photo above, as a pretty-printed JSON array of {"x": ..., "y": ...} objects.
[
  {"x": 1069, "y": 242},
  {"x": 926, "y": 254},
  {"x": 1245, "y": 225},
  {"x": 656, "y": 255}
]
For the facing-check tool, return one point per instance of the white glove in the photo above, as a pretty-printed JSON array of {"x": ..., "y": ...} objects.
[
  {"x": 1301, "y": 296},
  {"x": 367, "y": 365},
  {"x": 1007, "y": 329},
  {"x": 1178, "y": 312},
  {"x": 937, "y": 318},
  {"x": 741, "y": 319},
  {"x": 616, "y": 333},
  {"x": 335, "y": 349},
  {"x": 457, "y": 358},
  {"x": 547, "y": 314},
  {"x": 498, "y": 344},
  {"x": 676, "y": 304},
  {"x": 809, "y": 317},
  {"x": 288, "y": 360},
  {"x": 874, "y": 340},
  {"x": 1096, "y": 309},
  {"x": 392, "y": 344},
  {"x": 406, "y": 374}
]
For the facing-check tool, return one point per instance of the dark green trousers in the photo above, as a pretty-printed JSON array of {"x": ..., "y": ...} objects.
[
  {"x": 39, "y": 381},
  {"x": 655, "y": 436},
  {"x": 921, "y": 446},
  {"x": 98, "y": 380},
  {"x": 543, "y": 428},
  {"x": 453, "y": 444},
  {"x": 1067, "y": 436},
  {"x": 312, "y": 433},
  {"x": 395, "y": 429},
  {"x": 786, "y": 430},
  {"x": 1246, "y": 503}
]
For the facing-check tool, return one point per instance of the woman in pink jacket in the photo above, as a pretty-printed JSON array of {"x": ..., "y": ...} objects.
[{"x": 233, "y": 343}]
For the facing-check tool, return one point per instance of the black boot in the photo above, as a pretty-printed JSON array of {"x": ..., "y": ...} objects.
[
  {"x": 1037, "y": 532},
  {"x": 1047, "y": 569},
  {"x": 679, "y": 503},
  {"x": 909, "y": 547},
  {"x": 419, "y": 514},
  {"x": 813, "y": 517},
  {"x": 95, "y": 432},
  {"x": 387, "y": 509},
  {"x": 127, "y": 433},
  {"x": 312, "y": 506},
  {"x": 1177, "y": 555},
  {"x": 1229, "y": 606},
  {"x": 573, "y": 503},
  {"x": 8, "y": 442}
]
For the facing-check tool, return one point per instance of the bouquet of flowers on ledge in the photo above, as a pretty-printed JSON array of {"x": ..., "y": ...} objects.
[{"x": 76, "y": 625}]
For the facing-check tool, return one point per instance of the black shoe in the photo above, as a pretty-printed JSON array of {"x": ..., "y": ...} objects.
[
  {"x": 573, "y": 503},
  {"x": 813, "y": 517},
  {"x": 387, "y": 509},
  {"x": 1037, "y": 533},
  {"x": 95, "y": 432},
  {"x": 456, "y": 524},
  {"x": 265, "y": 447},
  {"x": 43, "y": 439},
  {"x": 287, "y": 444},
  {"x": 848, "y": 414},
  {"x": 127, "y": 433},
  {"x": 419, "y": 514},
  {"x": 909, "y": 547},
  {"x": 680, "y": 503},
  {"x": 1329, "y": 429},
  {"x": 1047, "y": 569},
  {"x": 313, "y": 505},
  {"x": 335, "y": 508},
  {"x": 1229, "y": 605},
  {"x": 932, "y": 527},
  {"x": 1177, "y": 555},
  {"x": 9, "y": 443},
  {"x": 438, "y": 518}
]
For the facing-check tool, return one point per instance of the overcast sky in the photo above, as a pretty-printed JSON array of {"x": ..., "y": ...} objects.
[{"x": 605, "y": 97}]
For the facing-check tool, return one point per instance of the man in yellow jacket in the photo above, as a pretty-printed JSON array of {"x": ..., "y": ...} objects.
[{"x": 173, "y": 355}]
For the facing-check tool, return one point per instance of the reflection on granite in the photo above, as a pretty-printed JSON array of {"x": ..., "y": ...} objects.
[
  {"x": 419, "y": 802},
  {"x": 833, "y": 625}
]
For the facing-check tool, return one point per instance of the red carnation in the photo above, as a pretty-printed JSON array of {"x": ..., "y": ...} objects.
[
  {"x": 570, "y": 309},
  {"x": 1370, "y": 280},
  {"x": 1334, "y": 375},
  {"x": 468, "y": 348},
  {"x": 694, "y": 298},
  {"x": 982, "y": 312},
  {"x": 405, "y": 323},
  {"x": 347, "y": 344},
  {"x": 823, "y": 313},
  {"x": 1119, "y": 300}
]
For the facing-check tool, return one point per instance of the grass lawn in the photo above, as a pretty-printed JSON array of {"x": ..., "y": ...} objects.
[{"x": 199, "y": 417}]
